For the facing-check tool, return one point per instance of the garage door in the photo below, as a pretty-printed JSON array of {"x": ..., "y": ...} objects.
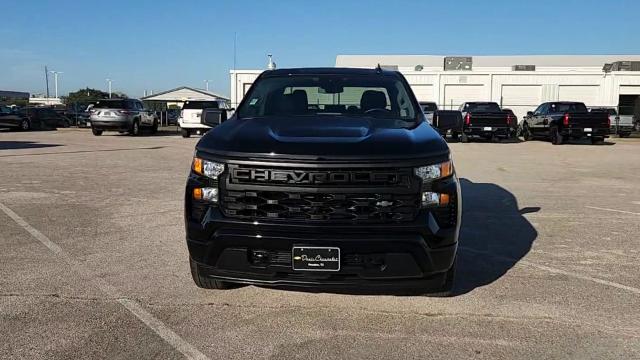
[
  {"x": 521, "y": 98},
  {"x": 587, "y": 94},
  {"x": 424, "y": 92},
  {"x": 455, "y": 95}
]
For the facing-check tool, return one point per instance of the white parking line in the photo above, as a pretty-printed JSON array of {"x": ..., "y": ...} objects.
[
  {"x": 614, "y": 210},
  {"x": 132, "y": 306},
  {"x": 557, "y": 271}
]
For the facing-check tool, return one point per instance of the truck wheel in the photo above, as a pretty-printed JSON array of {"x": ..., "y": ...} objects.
[
  {"x": 464, "y": 138},
  {"x": 205, "y": 282},
  {"x": 556, "y": 137},
  {"x": 596, "y": 140},
  {"x": 135, "y": 128},
  {"x": 455, "y": 135},
  {"x": 185, "y": 133},
  {"x": 96, "y": 132},
  {"x": 623, "y": 135},
  {"x": 449, "y": 280},
  {"x": 526, "y": 133},
  {"x": 154, "y": 127},
  {"x": 25, "y": 125}
]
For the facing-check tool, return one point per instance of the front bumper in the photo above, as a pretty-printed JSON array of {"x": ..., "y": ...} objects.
[{"x": 390, "y": 256}]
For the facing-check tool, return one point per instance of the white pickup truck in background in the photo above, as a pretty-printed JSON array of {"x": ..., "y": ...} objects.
[
  {"x": 189, "y": 119},
  {"x": 621, "y": 125}
]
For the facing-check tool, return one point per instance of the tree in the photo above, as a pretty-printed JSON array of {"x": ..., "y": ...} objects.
[{"x": 88, "y": 96}]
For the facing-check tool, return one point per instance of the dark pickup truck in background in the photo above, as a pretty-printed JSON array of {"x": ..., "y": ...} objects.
[
  {"x": 486, "y": 120},
  {"x": 302, "y": 189},
  {"x": 445, "y": 121},
  {"x": 560, "y": 121}
]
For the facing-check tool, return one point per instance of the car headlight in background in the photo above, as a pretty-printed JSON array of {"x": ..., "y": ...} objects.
[
  {"x": 433, "y": 172},
  {"x": 210, "y": 169}
]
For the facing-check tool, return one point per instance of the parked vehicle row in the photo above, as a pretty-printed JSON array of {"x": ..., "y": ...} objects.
[
  {"x": 37, "y": 118},
  {"x": 558, "y": 122}
]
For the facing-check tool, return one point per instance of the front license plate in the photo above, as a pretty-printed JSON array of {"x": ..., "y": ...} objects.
[
  {"x": 588, "y": 129},
  {"x": 316, "y": 258},
  {"x": 488, "y": 128}
]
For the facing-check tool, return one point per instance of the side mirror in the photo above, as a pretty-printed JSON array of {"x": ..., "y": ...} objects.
[
  {"x": 529, "y": 113},
  {"x": 213, "y": 117}
]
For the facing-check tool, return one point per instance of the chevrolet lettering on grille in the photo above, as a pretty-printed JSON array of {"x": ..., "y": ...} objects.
[{"x": 243, "y": 175}]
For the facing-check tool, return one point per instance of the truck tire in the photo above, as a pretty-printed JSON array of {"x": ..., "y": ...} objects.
[
  {"x": 596, "y": 140},
  {"x": 185, "y": 133},
  {"x": 96, "y": 132},
  {"x": 623, "y": 135},
  {"x": 205, "y": 282},
  {"x": 154, "y": 127},
  {"x": 135, "y": 128},
  {"x": 446, "y": 289},
  {"x": 455, "y": 136},
  {"x": 25, "y": 125},
  {"x": 556, "y": 137},
  {"x": 526, "y": 133}
]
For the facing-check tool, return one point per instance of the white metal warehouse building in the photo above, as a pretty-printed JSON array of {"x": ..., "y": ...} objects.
[{"x": 517, "y": 82}]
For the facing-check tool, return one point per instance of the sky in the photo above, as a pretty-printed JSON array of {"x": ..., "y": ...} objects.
[{"x": 158, "y": 45}]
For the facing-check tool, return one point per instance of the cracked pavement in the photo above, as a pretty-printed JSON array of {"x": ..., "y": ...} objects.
[{"x": 548, "y": 266}]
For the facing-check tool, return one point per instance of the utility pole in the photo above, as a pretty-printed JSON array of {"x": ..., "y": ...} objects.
[
  {"x": 55, "y": 80},
  {"x": 235, "y": 40},
  {"x": 46, "y": 79},
  {"x": 109, "y": 82},
  {"x": 206, "y": 84}
]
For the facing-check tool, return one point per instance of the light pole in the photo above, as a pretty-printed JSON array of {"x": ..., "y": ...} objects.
[
  {"x": 206, "y": 84},
  {"x": 55, "y": 80},
  {"x": 109, "y": 82}
]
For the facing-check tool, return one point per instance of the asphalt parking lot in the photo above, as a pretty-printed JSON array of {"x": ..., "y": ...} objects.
[{"x": 94, "y": 262}]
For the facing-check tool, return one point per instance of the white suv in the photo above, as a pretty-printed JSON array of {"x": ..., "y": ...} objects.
[{"x": 189, "y": 120}]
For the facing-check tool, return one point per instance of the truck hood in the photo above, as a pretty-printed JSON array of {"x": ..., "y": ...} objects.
[{"x": 321, "y": 138}]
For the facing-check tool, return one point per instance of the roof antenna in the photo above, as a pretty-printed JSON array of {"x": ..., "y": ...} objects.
[
  {"x": 271, "y": 65},
  {"x": 378, "y": 68}
]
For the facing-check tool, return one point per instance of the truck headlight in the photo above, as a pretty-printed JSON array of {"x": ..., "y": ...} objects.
[
  {"x": 209, "y": 194},
  {"x": 210, "y": 169},
  {"x": 433, "y": 172}
]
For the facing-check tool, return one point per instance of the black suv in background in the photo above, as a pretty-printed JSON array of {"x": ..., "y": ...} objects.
[{"x": 325, "y": 177}]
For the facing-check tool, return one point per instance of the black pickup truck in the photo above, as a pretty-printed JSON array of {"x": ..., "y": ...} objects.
[
  {"x": 324, "y": 177},
  {"x": 560, "y": 121},
  {"x": 486, "y": 120}
]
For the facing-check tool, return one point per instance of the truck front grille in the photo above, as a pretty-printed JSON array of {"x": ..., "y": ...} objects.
[{"x": 307, "y": 206}]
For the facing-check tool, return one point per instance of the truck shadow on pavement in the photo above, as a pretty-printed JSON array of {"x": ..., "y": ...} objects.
[
  {"x": 17, "y": 145},
  {"x": 494, "y": 235}
]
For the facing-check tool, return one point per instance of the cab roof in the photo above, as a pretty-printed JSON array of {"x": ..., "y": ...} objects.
[{"x": 327, "y": 71}]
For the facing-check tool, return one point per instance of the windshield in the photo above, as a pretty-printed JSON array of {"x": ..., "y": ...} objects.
[
  {"x": 200, "y": 105},
  {"x": 376, "y": 96},
  {"x": 568, "y": 108},
  {"x": 111, "y": 104},
  {"x": 481, "y": 107}
]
